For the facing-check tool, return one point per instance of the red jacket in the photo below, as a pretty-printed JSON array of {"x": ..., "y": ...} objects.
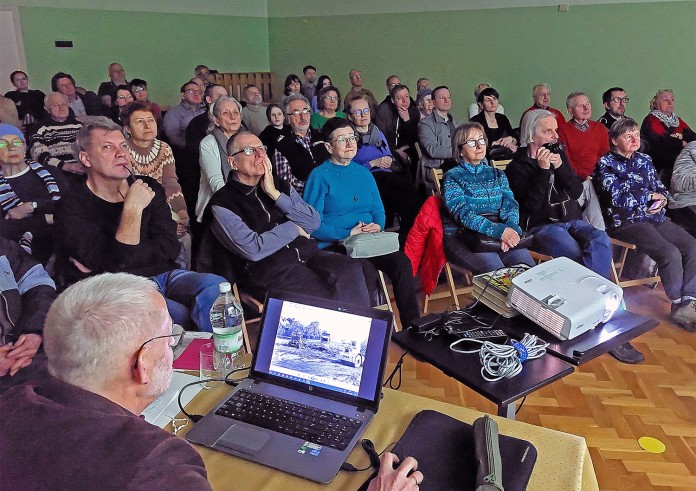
[{"x": 424, "y": 245}]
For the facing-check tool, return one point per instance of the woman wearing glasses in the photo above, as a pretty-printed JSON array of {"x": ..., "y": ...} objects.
[
  {"x": 478, "y": 198},
  {"x": 225, "y": 117},
  {"x": 327, "y": 103},
  {"x": 265, "y": 225},
  {"x": 345, "y": 195},
  {"x": 121, "y": 98},
  {"x": 29, "y": 193}
]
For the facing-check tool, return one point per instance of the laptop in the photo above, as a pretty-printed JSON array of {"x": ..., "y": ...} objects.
[{"x": 314, "y": 386}]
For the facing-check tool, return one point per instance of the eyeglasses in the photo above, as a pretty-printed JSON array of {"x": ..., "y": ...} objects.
[
  {"x": 330, "y": 98},
  {"x": 14, "y": 143},
  {"x": 472, "y": 143},
  {"x": 342, "y": 140},
  {"x": 138, "y": 88},
  {"x": 124, "y": 97},
  {"x": 194, "y": 91},
  {"x": 249, "y": 151},
  {"x": 619, "y": 100},
  {"x": 363, "y": 112},
  {"x": 175, "y": 341},
  {"x": 298, "y": 112}
]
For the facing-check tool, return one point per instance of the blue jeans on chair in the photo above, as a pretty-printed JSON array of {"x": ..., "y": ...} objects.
[
  {"x": 483, "y": 262},
  {"x": 576, "y": 240},
  {"x": 189, "y": 296}
]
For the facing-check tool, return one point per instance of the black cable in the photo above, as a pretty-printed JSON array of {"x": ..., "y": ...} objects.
[
  {"x": 391, "y": 376},
  {"x": 366, "y": 444},
  {"x": 197, "y": 417},
  {"x": 520, "y": 406}
]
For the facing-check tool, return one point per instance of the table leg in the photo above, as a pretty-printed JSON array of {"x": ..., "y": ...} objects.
[{"x": 507, "y": 411}]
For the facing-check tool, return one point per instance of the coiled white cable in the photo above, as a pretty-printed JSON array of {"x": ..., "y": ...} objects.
[{"x": 499, "y": 361}]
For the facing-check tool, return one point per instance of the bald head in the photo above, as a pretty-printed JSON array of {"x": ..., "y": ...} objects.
[{"x": 56, "y": 105}]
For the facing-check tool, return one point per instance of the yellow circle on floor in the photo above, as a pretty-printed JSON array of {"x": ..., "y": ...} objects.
[{"x": 650, "y": 444}]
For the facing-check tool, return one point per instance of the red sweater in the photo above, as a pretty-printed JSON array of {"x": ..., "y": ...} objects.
[
  {"x": 558, "y": 114},
  {"x": 584, "y": 148}
]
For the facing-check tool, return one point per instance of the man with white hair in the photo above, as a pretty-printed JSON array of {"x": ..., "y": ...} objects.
[
  {"x": 108, "y": 345},
  {"x": 541, "y": 95}
]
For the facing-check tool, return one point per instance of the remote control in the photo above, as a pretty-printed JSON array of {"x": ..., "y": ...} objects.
[{"x": 492, "y": 335}]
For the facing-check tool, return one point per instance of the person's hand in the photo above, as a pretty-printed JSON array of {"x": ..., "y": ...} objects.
[
  {"x": 5, "y": 362},
  {"x": 376, "y": 162},
  {"x": 20, "y": 211},
  {"x": 81, "y": 267},
  {"x": 403, "y": 113},
  {"x": 543, "y": 157},
  {"x": 182, "y": 227},
  {"x": 390, "y": 479},
  {"x": 267, "y": 183},
  {"x": 21, "y": 353},
  {"x": 303, "y": 232},
  {"x": 138, "y": 196},
  {"x": 510, "y": 238},
  {"x": 370, "y": 228},
  {"x": 358, "y": 229},
  {"x": 678, "y": 136},
  {"x": 657, "y": 197},
  {"x": 386, "y": 162},
  {"x": 74, "y": 167}
]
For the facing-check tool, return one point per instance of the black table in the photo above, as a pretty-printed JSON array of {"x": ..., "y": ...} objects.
[{"x": 466, "y": 368}]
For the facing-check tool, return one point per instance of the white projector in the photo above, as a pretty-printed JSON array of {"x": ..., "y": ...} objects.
[{"x": 564, "y": 297}]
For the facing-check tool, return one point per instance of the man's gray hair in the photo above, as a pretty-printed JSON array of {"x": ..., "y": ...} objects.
[
  {"x": 84, "y": 136},
  {"x": 530, "y": 122},
  {"x": 232, "y": 142},
  {"x": 216, "y": 108},
  {"x": 292, "y": 98},
  {"x": 571, "y": 98},
  {"x": 543, "y": 85},
  {"x": 53, "y": 95},
  {"x": 97, "y": 325}
]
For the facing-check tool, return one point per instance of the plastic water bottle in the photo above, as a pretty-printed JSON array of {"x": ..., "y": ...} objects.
[{"x": 226, "y": 318}]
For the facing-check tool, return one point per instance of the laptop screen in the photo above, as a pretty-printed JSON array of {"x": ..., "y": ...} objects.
[{"x": 324, "y": 347}]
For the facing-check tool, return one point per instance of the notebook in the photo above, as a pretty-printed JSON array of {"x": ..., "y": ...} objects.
[{"x": 314, "y": 353}]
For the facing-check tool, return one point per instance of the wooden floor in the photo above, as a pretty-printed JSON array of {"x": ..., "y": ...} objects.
[{"x": 611, "y": 404}]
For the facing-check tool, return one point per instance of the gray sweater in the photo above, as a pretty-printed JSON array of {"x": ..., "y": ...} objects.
[{"x": 683, "y": 184}]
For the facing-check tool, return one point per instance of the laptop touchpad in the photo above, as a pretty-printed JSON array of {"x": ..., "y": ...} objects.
[{"x": 244, "y": 439}]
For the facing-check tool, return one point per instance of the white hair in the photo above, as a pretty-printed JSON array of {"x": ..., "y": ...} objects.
[
  {"x": 95, "y": 326},
  {"x": 529, "y": 124}
]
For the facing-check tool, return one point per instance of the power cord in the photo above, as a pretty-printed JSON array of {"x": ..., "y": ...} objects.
[
  {"x": 372, "y": 454},
  {"x": 195, "y": 418},
  {"x": 397, "y": 368}
]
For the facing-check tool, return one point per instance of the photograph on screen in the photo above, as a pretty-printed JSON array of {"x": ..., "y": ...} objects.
[{"x": 320, "y": 347}]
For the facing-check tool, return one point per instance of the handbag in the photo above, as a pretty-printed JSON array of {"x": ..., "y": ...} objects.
[
  {"x": 478, "y": 242},
  {"x": 374, "y": 244}
]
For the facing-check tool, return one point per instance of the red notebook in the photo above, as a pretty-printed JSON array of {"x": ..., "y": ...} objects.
[{"x": 190, "y": 359}]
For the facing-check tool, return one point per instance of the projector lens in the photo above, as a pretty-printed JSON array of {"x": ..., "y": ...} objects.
[{"x": 612, "y": 303}]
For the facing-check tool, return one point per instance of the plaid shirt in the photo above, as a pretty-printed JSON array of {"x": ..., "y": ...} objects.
[{"x": 282, "y": 166}]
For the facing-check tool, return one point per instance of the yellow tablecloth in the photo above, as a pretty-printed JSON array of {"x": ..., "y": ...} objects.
[{"x": 563, "y": 461}]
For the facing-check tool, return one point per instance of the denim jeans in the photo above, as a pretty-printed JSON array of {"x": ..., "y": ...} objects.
[
  {"x": 189, "y": 296},
  {"x": 484, "y": 262},
  {"x": 576, "y": 240}
]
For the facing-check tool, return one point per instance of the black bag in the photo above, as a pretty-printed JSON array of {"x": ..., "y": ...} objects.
[
  {"x": 478, "y": 242},
  {"x": 499, "y": 152}
]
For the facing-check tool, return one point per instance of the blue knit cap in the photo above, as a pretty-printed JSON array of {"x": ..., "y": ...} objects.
[{"x": 8, "y": 129}]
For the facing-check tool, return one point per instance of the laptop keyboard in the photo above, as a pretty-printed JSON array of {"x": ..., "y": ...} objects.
[{"x": 305, "y": 422}]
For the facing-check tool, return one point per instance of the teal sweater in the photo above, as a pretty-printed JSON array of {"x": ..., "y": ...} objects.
[
  {"x": 343, "y": 196},
  {"x": 472, "y": 190}
]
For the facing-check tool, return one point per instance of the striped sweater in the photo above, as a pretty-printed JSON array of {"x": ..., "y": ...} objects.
[{"x": 54, "y": 143}]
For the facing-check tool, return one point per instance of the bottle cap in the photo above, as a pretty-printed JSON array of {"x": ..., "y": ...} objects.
[{"x": 225, "y": 287}]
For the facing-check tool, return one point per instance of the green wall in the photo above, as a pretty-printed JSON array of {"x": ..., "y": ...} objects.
[
  {"x": 642, "y": 47},
  {"x": 161, "y": 48}
]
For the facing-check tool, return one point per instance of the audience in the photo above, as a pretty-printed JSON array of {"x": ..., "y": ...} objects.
[
  {"x": 29, "y": 192},
  {"x": 495, "y": 124},
  {"x": 265, "y": 224},
  {"x": 397, "y": 117},
  {"x": 615, "y": 102},
  {"x": 300, "y": 150},
  {"x": 328, "y": 99},
  {"x": 357, "y": 89},
  {"x": 202, "y": 73},
  {"x": 117, "y": 76},
  {"x": 422, "y": 83},
  {"x": 541, "y": 95},
  {"x": 425, "y": 102},
  {"x": 476, "y": 107},
  {"x": 435, "y": 137},
  {"x": 87, "y": 104},
  {"x": 122, "y": 98},
  {"x": 633, "y": 199},
  {"x": 323, "y": 81},
  {"x": 178, "y": 117},
  {"x": 292, "y": 86},
  {"x": 346, "y": 197},
  {"x": 253, "y": 113},
  {"x": 28, "y": 292},
  {"x": 8, "y": 112},
  {"x": 114, "y": 224},
  {"x": 225, "y": 120},
  {"x": 665, "y": 133},
  {"x": 309, "y": 87},
  {"x": 276, "y": 126},
  {"x": 29, "y": 103},
  {"x": 138, "y": 88},
  {"x": 682, "y": 190}
]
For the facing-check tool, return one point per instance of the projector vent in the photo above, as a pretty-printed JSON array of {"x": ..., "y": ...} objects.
[{"x": 548, "y": 319}]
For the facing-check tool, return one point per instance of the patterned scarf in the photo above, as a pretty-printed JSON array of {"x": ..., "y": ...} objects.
[
  {"x": 8, "y": 198},
  {"x": 669, "y": 120}
]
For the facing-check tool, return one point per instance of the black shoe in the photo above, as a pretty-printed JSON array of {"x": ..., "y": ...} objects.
[{"x": 626, "y": 353}]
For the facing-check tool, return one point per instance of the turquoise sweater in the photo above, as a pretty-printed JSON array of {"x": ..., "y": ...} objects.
[
  {"x": 471, "y": 190},
  {"x": 343, "y": 196}
]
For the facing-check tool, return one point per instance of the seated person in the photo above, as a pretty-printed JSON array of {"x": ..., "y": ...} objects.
[
  {"x": 396, "y": 190},
  {"x": 276, "y": 127},
  {"x": 397, "y": 117},
  {"x": 474, "y": 189},
  {"x": 292, "y": 85},
  {"x": 476, "y": 107},
  {"x": 121, "y": 98},
  {"x": 154, "y": 158},
  {"x": 633, "y": 200},
  {"x": 346, "y": 197},
  {"x": 328, "y": 99},
  {"x": 547, "y": 190},
  {"x": 425, "y": 102},
  {"x": 28, "y": 292},
  {"x": 665, "y": 133},
  {"x": 263, "y": 221},
  {"x": 138, "y": 88},
  {"x": 496, "y": 125},
  {"x": 29, "y": 193},
  {"x": 29, "y": 102},
  {"x": 83, "y": 103},
  {"x": 53, "y": 143},
  {"x": 115, "y": 224},
  {"x": 682, "y": 203},
  {"x": 322, "y": 81},
  {"x": 253, "y": 113},
  {"x": 225, "y": 120},
  {"x": 90, "y": 418}
]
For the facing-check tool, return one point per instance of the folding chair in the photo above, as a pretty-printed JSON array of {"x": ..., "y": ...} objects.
[{"x": 617, "y": 266}]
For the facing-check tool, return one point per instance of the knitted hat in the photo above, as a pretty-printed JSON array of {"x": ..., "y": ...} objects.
[
  {"x": 8, "y": 129},
  {"x": 423, "y": 93}
]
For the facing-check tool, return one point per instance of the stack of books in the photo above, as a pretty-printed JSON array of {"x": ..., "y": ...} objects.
[{"x": 491, "y": 289}]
